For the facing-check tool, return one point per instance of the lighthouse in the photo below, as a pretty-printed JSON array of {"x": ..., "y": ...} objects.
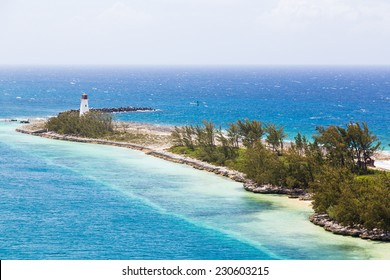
[{"x": 84, "y": 104}]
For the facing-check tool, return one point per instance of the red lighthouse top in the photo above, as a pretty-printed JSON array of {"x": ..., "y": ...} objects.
[{"x": 84, "y": 96}]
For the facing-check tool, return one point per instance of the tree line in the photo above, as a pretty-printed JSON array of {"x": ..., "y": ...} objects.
[
  {"x": 212, "y": 144},
  {"x": 333, "y": 165}
]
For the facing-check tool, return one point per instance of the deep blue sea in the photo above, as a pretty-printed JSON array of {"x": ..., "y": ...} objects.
[
  {"x": 299, "y": 98},
  {"x": 62, "y": 200}
]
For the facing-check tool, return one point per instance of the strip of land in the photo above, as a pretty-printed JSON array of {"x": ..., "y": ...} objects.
[
  {"x": 155, "y": 140},
  {"x": 151, "y": 139}
]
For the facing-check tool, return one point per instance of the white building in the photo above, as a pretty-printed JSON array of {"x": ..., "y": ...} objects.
[{"x": 84, "y": 104}]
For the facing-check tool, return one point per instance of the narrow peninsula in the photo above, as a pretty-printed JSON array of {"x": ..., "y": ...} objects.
[{"x": 335, "y": 170}]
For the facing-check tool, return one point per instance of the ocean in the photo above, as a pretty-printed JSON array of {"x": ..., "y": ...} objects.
[
  {"x": 62, "y": 200},
  {"x": 298, "y": 98}
]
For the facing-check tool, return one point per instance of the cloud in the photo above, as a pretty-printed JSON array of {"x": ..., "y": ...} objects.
[
  {"x": 123, "y": 14},
  {"x": 195, "y": 31},
  {"x": 305, "y": 10},
  {"x": 302, "y": 15}
]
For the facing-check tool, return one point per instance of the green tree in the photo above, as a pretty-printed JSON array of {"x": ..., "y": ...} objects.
[
  {"x": 348, "y": 208},
  {"x": 205, "y": 135},
  {"x": 376, "y": 196},
  {"x": 334, "y": 140},
  {"x": 233, "y": 133},
  {"x": 263, "y": 166},
  {"x": 188, "y": 136},
  {"x": 250, "y": 131},
  {"x": 297, "y": 169},
  {"x": 362, "y": 144},
  {"x": 92, "y": 124},
  {"x": 275, "y": 138},
  {"x": 352, "y": 147},
  {"x": 227, "y": 146},
  {"x": 300, "y": 144},
  {"x": 327, "y": 187}
]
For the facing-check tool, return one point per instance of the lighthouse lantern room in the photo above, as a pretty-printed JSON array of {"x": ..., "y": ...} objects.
[{"x": 84, "y": 104}]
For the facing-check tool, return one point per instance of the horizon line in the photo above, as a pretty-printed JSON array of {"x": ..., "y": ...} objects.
[{"x": 17, "y": 65}]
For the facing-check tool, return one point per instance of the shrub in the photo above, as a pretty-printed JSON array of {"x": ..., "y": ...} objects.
[{"x": 92, "y": 124}]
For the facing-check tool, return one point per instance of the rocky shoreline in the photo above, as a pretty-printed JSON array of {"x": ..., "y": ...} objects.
[
  {"x": 252, "y": 186},
  {"x": 322, "y": 220},
  {"x": 328, "y": 224},
  {"x": 197, "y": 164}
]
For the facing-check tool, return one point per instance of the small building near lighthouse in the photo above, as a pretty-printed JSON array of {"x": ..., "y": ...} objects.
[{"x": 84, "y": 104}]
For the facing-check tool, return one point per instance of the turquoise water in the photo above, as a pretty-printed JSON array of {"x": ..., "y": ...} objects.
[{"x": 62, "y": 200}]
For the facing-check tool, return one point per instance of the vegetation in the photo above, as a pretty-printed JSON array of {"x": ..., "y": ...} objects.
[
  {"x": 352, "y": 147},
  {"x": 98, "y": 124},
  {"x": 275, "y": 138},
  {"x": 334, "y": 166},
  {"x": 350, "y": 200},
  {"x": 92, "y": 124},
  {"x": 250, "y": 132}
]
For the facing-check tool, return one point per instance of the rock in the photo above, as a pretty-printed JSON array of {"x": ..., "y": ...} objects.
[
  {"x": 250, "y": 185},
  {"x": 325, "y": 221}
]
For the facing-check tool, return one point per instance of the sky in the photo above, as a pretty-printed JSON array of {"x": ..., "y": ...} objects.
[{"x": 195, "y": 32}]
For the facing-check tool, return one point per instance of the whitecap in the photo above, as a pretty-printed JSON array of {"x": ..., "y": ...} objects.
[{"x": 18, "y": 97}]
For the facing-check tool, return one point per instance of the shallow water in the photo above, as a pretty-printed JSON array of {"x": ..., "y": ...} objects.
[{"x": 63, "y": 200}]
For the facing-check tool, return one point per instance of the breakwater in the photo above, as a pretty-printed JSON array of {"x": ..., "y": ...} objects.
[{"x": 120, "y": 109}]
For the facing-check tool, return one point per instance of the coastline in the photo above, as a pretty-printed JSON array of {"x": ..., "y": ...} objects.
[
  {"x": 152, "y": 150},
  {"x": 323, "y": 220},
  {"x": 160, "y": 151}
]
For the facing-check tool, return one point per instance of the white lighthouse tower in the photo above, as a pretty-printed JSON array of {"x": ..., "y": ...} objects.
[{"x": 84, "y": 104}]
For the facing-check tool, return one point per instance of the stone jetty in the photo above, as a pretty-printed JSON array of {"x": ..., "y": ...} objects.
[{"x": 120, "y": 109}]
